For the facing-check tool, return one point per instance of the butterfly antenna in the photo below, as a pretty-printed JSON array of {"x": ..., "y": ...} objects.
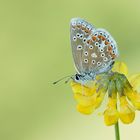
[
  {"x": 69, "y": 77},
  {"x": 68, "y": 80}
]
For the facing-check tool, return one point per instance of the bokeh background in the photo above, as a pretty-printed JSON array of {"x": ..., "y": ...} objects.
[{"x": 35, "y": 51}]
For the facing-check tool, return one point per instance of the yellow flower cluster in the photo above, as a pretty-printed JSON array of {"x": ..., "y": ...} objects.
[{"x": 123, "y": 96}]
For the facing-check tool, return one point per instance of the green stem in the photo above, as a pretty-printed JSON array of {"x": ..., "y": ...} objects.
[{"x": 117, "y": 133}]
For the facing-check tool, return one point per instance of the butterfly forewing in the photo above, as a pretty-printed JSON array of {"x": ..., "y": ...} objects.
[{"x": 80, "y": 31}]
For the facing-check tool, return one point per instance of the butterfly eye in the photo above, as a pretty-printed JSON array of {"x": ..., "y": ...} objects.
[
  {"x": 86, "y": 53},
  {"x": 79, "y": 47},
  {"x": 93, "y": 61},
  {"x": 77, "y": 77},
  {"x": 74, "y": 38},
  {"x": 86, "y": 60},
  {"x": 78, "y": 35},
  {"x": 98, "y": 63},
  {"x": 91, "y": 47},
  {"x": 105, "y": 58},
  {"x": 102, "y": 54}
]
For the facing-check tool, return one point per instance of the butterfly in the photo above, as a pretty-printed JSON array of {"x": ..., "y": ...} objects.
[{"x": 94, "y": 50}]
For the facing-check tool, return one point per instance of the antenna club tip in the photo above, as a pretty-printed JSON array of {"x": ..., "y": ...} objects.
[{"x": 54, "y": 83}]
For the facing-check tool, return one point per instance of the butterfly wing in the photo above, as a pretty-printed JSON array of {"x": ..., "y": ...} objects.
[
  {"x": 80, "y": 30},
  {"x": 102, "y": 51},
  {"x": 94, "y": 50}
]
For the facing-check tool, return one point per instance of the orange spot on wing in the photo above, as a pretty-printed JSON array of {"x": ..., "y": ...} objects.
[
  {"x": 94, "y": 38},
  {"x": 83, "y": 28},
  {"x": 106, "y": 43},
  {"x": 87, "y": 31},
  {"x": 89, "y": 41},
  {"x": 79, "y": 26},
  {"x": 103, "y": 38},
  {"x": 113, "y": 56},
  {"x": 109, "y": 48}
]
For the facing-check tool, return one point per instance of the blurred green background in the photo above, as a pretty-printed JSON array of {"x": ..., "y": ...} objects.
[{"x": 35, "y": 51}]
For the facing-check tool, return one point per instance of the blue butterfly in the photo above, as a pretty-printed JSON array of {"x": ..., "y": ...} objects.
[{"x": 94, "y": 51}]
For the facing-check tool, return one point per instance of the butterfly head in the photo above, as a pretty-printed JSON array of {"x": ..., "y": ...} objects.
[{"x": 84, "y": 78}]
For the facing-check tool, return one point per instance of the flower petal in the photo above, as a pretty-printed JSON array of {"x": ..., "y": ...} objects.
[
  {"x": 84, "y": 95},
  {"x": 111, "y": 114},
  {"x": 134, "y": 97},
  {"x": 135, "y": 81},
  {"x": 85, "y": 100},
  {"x": 81, "y": 89},
  {"x": 99, "y": 100},
  {"x": 120, "y": 67},
  {"x": 126, "y": 113},
  {"x": 85, "y": 109}
]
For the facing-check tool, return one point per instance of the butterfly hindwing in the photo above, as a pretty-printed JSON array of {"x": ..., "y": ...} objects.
[{"x": 103, "y": 52}]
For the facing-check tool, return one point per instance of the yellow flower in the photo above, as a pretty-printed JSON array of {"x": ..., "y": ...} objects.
[
  {"x": 132, "y": 87},
  {"x": 88, "y": 99},
  {"x": 113, "y": 84}
]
